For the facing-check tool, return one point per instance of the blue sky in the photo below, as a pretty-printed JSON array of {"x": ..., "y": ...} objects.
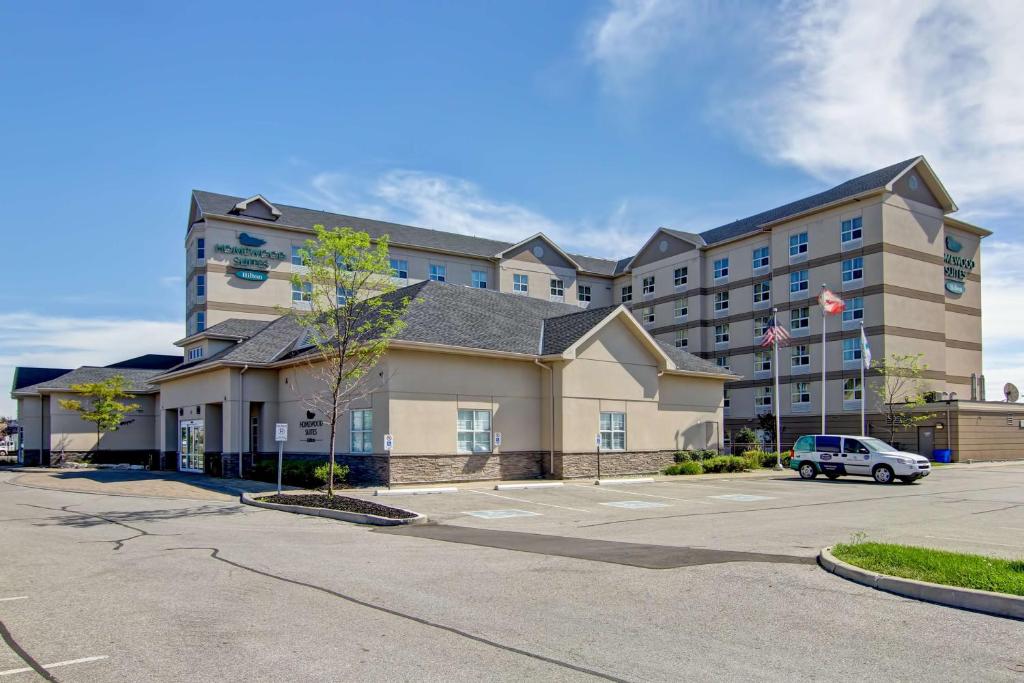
[{"x": 594, "y": 122}]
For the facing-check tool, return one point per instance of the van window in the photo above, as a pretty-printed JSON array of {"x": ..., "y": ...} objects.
[
  {"x": 854, "y": 446},
  {"x": 828, "y": 444},
  {"x": 804, "y": 443}
]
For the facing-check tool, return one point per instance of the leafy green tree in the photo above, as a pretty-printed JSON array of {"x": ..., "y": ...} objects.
[
  {"x": 103, "y": 405},
  {"x": 901, "y": 390},
  {"x": 353, "y": 314}
]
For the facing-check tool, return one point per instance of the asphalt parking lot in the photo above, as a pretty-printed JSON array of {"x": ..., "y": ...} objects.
[{"x": 134, "y": 587}]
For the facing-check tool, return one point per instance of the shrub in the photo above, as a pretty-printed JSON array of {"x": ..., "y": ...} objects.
[
  {"x": 726, "y": 463},
  {"x": 293, "y": 472},
  {"x": 758, "y": 458},
  {"x": 694, "y": 455},
  {"x": 746, "y": 435},
  {"x": 685, "y": 467},
  {"x": 340, "y": 473}
]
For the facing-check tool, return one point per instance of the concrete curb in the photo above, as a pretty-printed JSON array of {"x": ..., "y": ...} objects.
[
  {"x": 614, "y": 482},
  {"x": 996, "y": 604},
  {"x": 355, "y": 517},
  {"x": 415, "y": 492},
  {"x": 521, "y": 487}
]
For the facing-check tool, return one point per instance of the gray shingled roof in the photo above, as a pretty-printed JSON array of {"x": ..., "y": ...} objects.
[
  {"x": 562, "y": 332},
  {"x": 27, "y": 377},
  {"x": 240, "y": 328},
  {"x": 870, "y": 181},
  {"x": 687, "y": 361},
  {"x": 138, "y": 380},
  {"x": 213, "y": 203}
]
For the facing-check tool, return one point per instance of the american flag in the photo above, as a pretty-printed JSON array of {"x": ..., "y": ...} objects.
[{"x": 775, "y": 333}]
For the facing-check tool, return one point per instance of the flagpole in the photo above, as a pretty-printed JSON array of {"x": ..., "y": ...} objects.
[
  {"x": 824, "y": 390},
  {"x": 777, "y": 398},
  {"x": 863, "y": 388}
]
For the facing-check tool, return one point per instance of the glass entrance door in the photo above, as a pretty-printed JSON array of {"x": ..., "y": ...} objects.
[{"x": 192, "y": 446}]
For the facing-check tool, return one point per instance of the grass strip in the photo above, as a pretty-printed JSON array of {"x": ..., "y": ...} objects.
[{"x": 936, "y": 566}]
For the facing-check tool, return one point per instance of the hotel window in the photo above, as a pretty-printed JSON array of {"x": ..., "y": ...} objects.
[
  {"x": 763, "y": 398},
  {"x": 681, "y": 308},
  {"x": 763, "y": 361},
  {"x": 681, "y": 341},
  {"x": 474, "y": 429},
  {"x": 648, "y": 289},
  {"x": 200, "y": 249},
  {"x": 721, "y": 268},
  {"x": 762, "y": 257},
  {"x": 399, "y": 268},
  {"x": 852, "y": 390},
  {"x": 853, "y": 269},
  {"x": 195, "y": 353},
  {"x": 627, "y": 293},
  {"x": 851, "y": 230},
  {"x": 613, "y": 431},
  {"x": 296, "y": 256},
  {"x": 797, "y": 244},
  {"x": 722, "y": 334},
  {"x": 200, "y": 321},
  {"x": 557, "y": 290},
  {"x": 361, "y": 439},
  {"x": 520, "y": 283},
  {"x": 762, "y": 292},
  {"x": 343, "y": 295},
  {"x": 583, "y": 293},
  {"x": 726, "y": 401},
  {"x": 798, "y": 282},
  {"x": 302, "y": 291},
  {"x": 801, "y": 393},
  {"x": 721, "y": 302},
  {"x": 680, "y": 276},
  {"x": 479, "y": 279},
  {"x": 438, "y": 272},
  {"x": 851, "y": 350},
  {"x": 761, "y": 326},
  {"x": 648, "y": 315},
  {"x": 801, "y": 356},
  {"x": 200, "y": 286},
  {"x": 722, "y": 362},
  {"x": 800, "y": 318},
  {"x": 854, "y": 309}
]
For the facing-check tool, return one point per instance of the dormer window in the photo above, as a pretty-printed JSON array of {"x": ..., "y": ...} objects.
[{"x": 256, "y": 207}]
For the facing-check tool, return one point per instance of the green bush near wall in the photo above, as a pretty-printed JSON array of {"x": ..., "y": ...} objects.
[
  {"x": 694, "y": 455},
  {"x": 301, "y": 473},
  {"x": 758, "y": 458}
]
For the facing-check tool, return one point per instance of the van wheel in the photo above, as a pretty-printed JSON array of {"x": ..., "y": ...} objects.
[
  {"x": 808, "y": 470},
  {"x": 883, "y": 474}
]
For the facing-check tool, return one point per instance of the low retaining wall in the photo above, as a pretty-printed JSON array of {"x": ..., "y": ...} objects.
[
  {"x": 609, "y": 463},
  {"x": 414, "y": 469}
]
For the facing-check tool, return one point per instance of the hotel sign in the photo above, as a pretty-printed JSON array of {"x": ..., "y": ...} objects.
[
  {"x": 956, "y": 267},
  {"x": 249, "y": 256}
]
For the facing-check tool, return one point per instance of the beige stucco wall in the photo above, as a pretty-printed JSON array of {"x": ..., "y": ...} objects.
[{"x": 70, "y": 433}]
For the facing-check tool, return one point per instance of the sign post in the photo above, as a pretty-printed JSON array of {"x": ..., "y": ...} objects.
[
  {"x": 597, "y": 442},
  {"x": 280, "y": 436}
]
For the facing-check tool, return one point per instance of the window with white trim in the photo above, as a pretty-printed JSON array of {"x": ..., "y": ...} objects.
[
  {"x": 763, "y": 361},
  {"x": 520, "y": 283},
  {"x": 648, "y": 315},
  {"x": 627, "y": 293},
  {"x": 852, "y": 390},
  {"x": 343, "y": 294},
  {"x": 850, "y": 230},
  {"x": 438, "y": 272},
  {"x": 722, "y": 334},
  {"x": 361, "y": 431},
  {"x": 681, "y": 341},
  {"x": 648, "y": 286},
  {"x": 474, "y": 431},
  {"x": 726, "y": 401},
  {"x": 801, "y": 393},
  {"x": 797, "y": 244},
  {"x": 853, "y": 269},
  {"x": 722, "y": 362},
  {"x": 302, "y": 291},
  {"x": 801, "y": 356},
  {"x": 613, "y": 431},
  {"x": 680, "y": 276},
  {"x": 399, "y": 268},
  {"x": 557, "y": 289},
  {"x": 800, "y": 318},
  {"x": 762, "y": 292},
  {"x": 200, "y": 286},
  {"x": 854, "y": 309},
  {"x": 583, "y": 293},
  {"x": 296, "y": 256},
  {"x": 479, "y": 279},
  {"x": 761, "y": 326},
  {"x": 721, "y": 302},
  {"x": 798, "y": 281},
  {"x": 851, "y": 350},
  {"x": 763, "y": 398},
  {"x": 721, "y": 268},
  {"x": 200, "y": 248},
  {"x": 200, "y": 321},
  {"x": 761, "y": 258},
  {"x": 195, "y": 353},
  {"x": 681, "y": 309}
]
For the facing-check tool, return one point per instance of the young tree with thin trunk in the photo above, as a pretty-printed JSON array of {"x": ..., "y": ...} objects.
[
  {"x": 901, "y": 390},
  {"x": 353, "y": 314},
  {"x": 104, "y": 405}
]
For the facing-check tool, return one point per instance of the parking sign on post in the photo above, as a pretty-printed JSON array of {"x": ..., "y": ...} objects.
[{"x": 280, "y": 436}]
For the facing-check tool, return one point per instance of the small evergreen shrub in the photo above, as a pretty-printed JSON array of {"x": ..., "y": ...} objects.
[
  {"x": 726, "y": 463},
  {"x": 340, "y": 473},
  {"x": 685, "y": 467}
]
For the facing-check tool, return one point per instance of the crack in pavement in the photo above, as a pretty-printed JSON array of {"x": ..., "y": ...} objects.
[
  {"x": 215, "y": 554},
  {"x": 118, "y": 542},
  {"x": 5, "y": 634}
]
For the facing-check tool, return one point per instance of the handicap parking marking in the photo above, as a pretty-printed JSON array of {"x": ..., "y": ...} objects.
[
  {"x": 636, "y": 504},
  {"x": 501, "y": 514},
  {"x": 742, "y": 497},
  {"x": 527, "y": 500}
]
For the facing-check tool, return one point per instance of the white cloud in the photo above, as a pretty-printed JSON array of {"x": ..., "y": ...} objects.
[
  {"x": 29, "y": 339},
  {"x": 1003, "y": 325}
]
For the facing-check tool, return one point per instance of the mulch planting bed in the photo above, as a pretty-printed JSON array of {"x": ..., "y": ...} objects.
[{"x": 322, "y": 500}]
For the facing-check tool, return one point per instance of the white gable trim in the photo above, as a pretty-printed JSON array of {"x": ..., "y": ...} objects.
[
  {"x": 696, "y": 240},
  {"x": 542, "y": 236},
  {"x": 241, "y": 206},
  {"x": 664, "y": 362},
  {"x": 931, "y": 179}
]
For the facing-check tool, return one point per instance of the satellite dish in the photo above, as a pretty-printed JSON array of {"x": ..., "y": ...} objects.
[{"x": 1011, "y": 392}]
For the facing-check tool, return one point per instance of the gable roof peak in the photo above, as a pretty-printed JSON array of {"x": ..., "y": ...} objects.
[{"x": 242, "y": 206}]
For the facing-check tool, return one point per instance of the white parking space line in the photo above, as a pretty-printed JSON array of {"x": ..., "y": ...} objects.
[
  {"x": 975, "y": 541},
  {"x": 83, "y": 660},
  {"x": 619, "y": 492},
  {"x": 531, "y": 502},
  {"x": 636, "y": 504},
  {"x": 19, "y": 597},
  {"x": 501, "y": 514},
  {"x": 742, "y": 497}
]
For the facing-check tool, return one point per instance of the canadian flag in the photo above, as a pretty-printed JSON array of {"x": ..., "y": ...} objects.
[{"x": 830, "y": 302}]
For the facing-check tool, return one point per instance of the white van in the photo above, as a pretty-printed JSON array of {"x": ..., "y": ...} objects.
[{"x": 863, "y": 456}]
